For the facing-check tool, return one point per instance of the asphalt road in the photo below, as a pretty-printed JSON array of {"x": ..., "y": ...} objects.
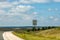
[{"x": 1, "y": 35}]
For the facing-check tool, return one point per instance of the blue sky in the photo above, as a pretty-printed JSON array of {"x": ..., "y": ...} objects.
[{"x": 22, "y": 12}]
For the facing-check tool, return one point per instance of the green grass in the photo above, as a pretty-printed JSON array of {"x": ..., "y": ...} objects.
[{"x": 51, "y": 34}]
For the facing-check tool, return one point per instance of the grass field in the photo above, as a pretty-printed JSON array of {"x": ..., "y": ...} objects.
[{"x": 50, "y": 34}]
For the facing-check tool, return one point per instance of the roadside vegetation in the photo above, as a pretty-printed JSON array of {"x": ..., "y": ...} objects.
[{"x": 46, "y": 33}]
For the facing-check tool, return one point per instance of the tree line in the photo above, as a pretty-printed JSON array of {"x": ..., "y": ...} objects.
[{"x": 40, "y": 28}]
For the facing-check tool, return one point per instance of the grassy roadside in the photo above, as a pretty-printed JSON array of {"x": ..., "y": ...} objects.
[
  {"x": 52, "y": 34},
  {"x": 29, "y": 37}
]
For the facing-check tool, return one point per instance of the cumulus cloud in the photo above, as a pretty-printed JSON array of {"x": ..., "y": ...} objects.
[
  {"x": 5, "y": 4},
  {"x": 2, "y": 12},
  {"x": 18, "y": 10},
  {"x": 23, "y": 8},
  {"x": 51, "y": 17},
  {"x": 34, "y": 13},
  {"x": 50, "y": 9},
  {"x": 56, "y": 0},
  {"x": 3, "y": 0},
  {"x": 15, "y": 10},
  {"x": 41, "y": 1},
  {"x": 56, "y": 9},
  {"x": 26, "y": 17},
  {"x": 56, "y": 19},
  {"x": 34, "y": 1}
]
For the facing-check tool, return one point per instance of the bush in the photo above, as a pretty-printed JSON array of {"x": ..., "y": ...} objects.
[
  {"x": 34, "y": 29},
  {"x": 38, "y": 29},
  {"x": 43, "y": 28},
  {"x": 28, "y": 30}
]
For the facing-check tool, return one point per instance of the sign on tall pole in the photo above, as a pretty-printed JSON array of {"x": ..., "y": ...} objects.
[
  {"x": 35, "y": 18},
  {"x": 35, "y": 22},
  {"x": 34, "y": 25}
]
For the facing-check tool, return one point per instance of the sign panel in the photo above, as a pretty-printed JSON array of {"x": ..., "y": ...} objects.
[{"x": 34, "y": 22}]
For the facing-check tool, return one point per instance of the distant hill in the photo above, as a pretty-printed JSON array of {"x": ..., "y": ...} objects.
[{"x": 50, "y": 33}]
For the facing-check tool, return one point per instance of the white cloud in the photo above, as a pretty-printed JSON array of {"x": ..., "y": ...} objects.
[
  {"x": 49, "y": 9},
  {"x": 5, "y": 4},
  {"x": 2, "y": 12},
  {"x": 56, "y": 9},
  {"x": 51, "y": 17},
  {"x": 15, "y": 10},
  {"x": 21, "y": 9},
  {"x": 34, "y": 13},
  {"x": 40, "y": 1},
  {"x": 22, "y": 16},
  {"x": 3, "y": 0},
  {"x": 26, "y": 17},
  {"x": 25, "y": 1},
  {"x": 24, "y": 8},
  {"x": 56, "y": 19},
  {"x": 56, "y": 0},
  {"x": 34, "y": 1},
  {"x": 52, "y": 9}
]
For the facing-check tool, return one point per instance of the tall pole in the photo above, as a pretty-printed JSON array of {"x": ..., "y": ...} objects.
[{"x": 34, "y": 21}]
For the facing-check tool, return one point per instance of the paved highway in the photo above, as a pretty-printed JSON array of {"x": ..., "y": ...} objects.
[
  {"x": 9, "y": 36},
  {"x": 1, "y": 35}
]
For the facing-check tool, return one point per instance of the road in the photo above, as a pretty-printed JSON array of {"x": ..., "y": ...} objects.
[
  {"x": 9, "y": 36},
  {"x": 1, "y": 33}
]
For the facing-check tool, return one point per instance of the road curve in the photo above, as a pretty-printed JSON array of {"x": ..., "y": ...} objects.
[{"x": 9, "y": 36}]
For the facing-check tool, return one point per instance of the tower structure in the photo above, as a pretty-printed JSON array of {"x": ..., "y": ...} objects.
[{"x": 34, "y": 21}]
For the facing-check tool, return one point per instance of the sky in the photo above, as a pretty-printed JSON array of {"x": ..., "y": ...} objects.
[{"x": 22, "y": 12}]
